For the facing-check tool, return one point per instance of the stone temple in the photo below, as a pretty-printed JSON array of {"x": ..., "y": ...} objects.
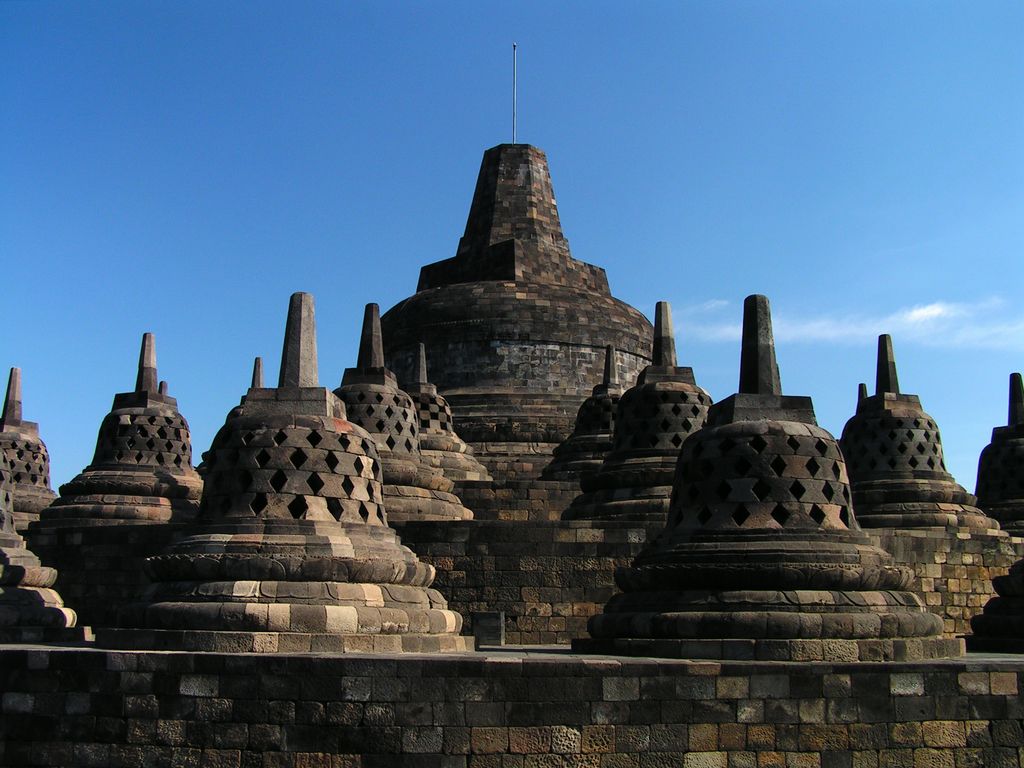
[
  {"x": 1000, "y": 487},
  {"x": 28, "y": 458},
  {"x": 515, "y": 328},
  {"x": 726, "y": 607}
]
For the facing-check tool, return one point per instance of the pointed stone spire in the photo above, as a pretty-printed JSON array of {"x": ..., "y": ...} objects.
[
  {"x": 759, "y": 372},
  {"x": 885, "y": 378},
  {"x": 298, "y": 359},
  {"x": 664, "y": 336},
  {"x": 163, "y": 389},
  {"x": 611, "y": 373},
  {"x": 371, "y": 342},
  {"x": 1016, "y": 414},
  {"x": 862, "y": 391},
  {"x": 12, "y": 404},
  {"x": 421, "y": 365},
  {"x": 257, "y": 373},
  {"x": 147, "y": 378}
]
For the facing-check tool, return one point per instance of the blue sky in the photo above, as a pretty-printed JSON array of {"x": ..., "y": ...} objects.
[{"x": 182, "y": 167}]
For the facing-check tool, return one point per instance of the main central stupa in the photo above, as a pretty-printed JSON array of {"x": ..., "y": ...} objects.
[{"x": 515, "y": 328}]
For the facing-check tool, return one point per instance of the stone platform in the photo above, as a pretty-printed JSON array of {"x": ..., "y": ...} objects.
[{"x": 86, "y": 707}]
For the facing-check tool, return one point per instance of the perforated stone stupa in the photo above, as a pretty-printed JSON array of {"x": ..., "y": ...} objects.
[
  {"x": 1000, "y": 488},
  {"x": 292, "y": 549},
  {"x": 894, "y": 454},
  {"x": 30, "y": 610},
  {"x": 440, "y": 446},
  {"x": 142, "y": 470},
  {"x": 413, "y": 489},
  {"x": 762, "y": 556},
  {"x": 591, "y": 440},
  {"x": 652, "y": 420},
  {"x": 514, "y": 327},
  {"x": 27, "y": 456}
]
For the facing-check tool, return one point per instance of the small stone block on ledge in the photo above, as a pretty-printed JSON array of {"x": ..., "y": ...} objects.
[{"x": 489, "y": 628}]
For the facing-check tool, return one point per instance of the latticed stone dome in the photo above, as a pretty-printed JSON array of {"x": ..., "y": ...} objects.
[
  {"x": 1000, "y": 488},
  {"x": 141, "y": 470},
  {"x": 652, "y": 421},
  {"x": 894, "y": 453},
  {"x": 762, "y": 556},
  {"x": 27, "y": 455}
]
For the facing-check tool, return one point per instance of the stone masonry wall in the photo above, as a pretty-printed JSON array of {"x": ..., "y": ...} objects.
[{"x": 72, "y": 707}]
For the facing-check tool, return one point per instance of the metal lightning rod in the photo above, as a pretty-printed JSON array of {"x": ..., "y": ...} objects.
[{"x": 513, "y": 93}]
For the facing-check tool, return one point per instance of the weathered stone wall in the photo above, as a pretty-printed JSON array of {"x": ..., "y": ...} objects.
[
  {"x": 548, "y": 577},
  {"x": 954, "y": 567},
  {"x": 70, "y": 707}
]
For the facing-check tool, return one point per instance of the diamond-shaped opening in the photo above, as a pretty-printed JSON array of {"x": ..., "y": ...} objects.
[
  {"x": 740, "y": 515},
  {"x": 130, "y": 442},
  {"x": 151, "y": 443},
  {"x": 379, "y": 397},
  {"x": 687, "y": 425},
  {"x": 723, "y": 490},
  {"x": 347, "y": 485},
  {"x": 844, "y": 516},
  {"x": 780, "y": 515},
  {"x": 364, "y": 511},
  {"x": 821, "y": 447},
  {"x": 314, "y": 438},
  {"x": 726, "y": 445},
  {"x": 695, "y": 410},
  {"x": 361, "y": 396},
  {"x": 828, "y": 491},
  {"x": 778, "y": 465},
  {"x": 280, "y": 437},
  {"x": 139, "y": 457},
  {"x": 891, "y": 463},
  {"x": 314, "y": 482},
  {"x": 758, "y": 443},
  {"x": 389, "y": 411},
  {"x": 813, "y": 467},
  {"x": 258, "y": 503},
  {"x": 917, "y": 423},
  {"x": 676, "y": 440},
  {"x": 793, "y": 443},
  {"x": 761, "y": 489},
  {"x": 703, "y": 516},
  {"x": 247, "y": 438},
  {"x": 278, "y": 480},
  {"x": 408, "y": 445},
  {"x": 676, "y": 410},
  {"x": 797, "y": 489},
  {"x": 892, "y": 434},
  {"x": 390, "y": 442},
  {"x": 653, "y": 440},
  {"x": 380, "y": 425},
  {"x": 297, "y": 458},
  {"x": 331, "y": 461},
  {"x": 162, "y": 433},
  {"x": 335, "y": 508},
  {"x": 177, "y": 461},
  {"x": 742, "y": 465},
  {"x": 902, "y": 447},
  {"x": 817, "y": 514},
  {"x": 298, "y": 507},
  {"x": 836, "y": 469},
  {"x": 920, "y": 448}
]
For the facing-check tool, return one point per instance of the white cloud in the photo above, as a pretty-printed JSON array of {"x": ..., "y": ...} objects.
[{"x": 985, "y": 323}]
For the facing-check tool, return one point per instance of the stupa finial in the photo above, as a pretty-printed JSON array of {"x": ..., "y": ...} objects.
[
  {"x": 664, "y": 337},
  {"x": 862, "y": 391},
  {"x": 257, "y": 373},
  {"x": 163, "y": 389},
  {"x": 1016, "y": 416},
  {"x": 371, "y": 342},
  {"x": 885, "y": 377},
  {"x": 147, "y": 379},
  {"x": 12, "y": 403},
  {"x": 759, "y": 372},
  {"x": 611, "y": 373},
  {"x": 421, "y": 364},
  {"x": 298, "y": 359}
]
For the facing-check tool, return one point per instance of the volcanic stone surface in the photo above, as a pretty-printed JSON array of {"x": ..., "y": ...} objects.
[
  {"x": 30, "y": 610},
  {"x": 1000, "y": 488},
  {"x": 27, "y": 456},
  {"x": 292, "y": 549},
  {"x": 413, "y": 489},
  {"x": 652, "y": 421},
  {"x": 591, "y": 440},
  {"x": 894, "y": 454},
  {"x": 440, "y": 446},
  {"x": 142, "y": 470},
  {"x": 514, "y": 327},
  {"x": 762, "y": 556}
]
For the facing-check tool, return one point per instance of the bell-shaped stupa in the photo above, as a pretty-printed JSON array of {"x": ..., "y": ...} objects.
[
  {"x": 999, "y": 628},
  {"x": 1000, "y": 488},
  {"x": 292, "y": 549},
  {"x": 142, "y": 470},
  {"x": 27, "y": 456},
  {"x": 440, "y": 446},
  {"x": 585, "y": 449},
  {"x": 413, "y": 489},
  {"x": 894, "y": 455},
  {"x": 762, "y": 556},
  {"x": 515, "y": 327},
  {"x": 652, "y": 421},
  {"x": 30, "y": 610}
]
